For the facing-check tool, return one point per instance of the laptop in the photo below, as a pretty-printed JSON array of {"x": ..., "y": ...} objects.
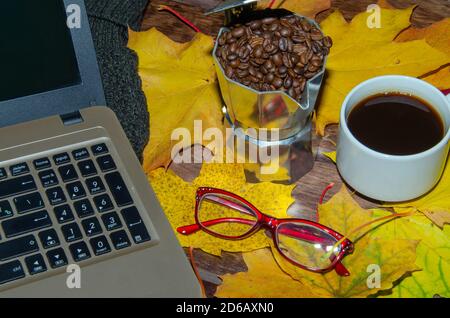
[{"x": 78, "y": 217}]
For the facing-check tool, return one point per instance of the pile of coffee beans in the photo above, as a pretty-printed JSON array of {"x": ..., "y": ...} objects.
[{"x": 273, "y": 53}]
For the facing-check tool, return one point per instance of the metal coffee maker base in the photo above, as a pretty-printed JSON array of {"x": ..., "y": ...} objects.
[{"x": 280, "y": 161}]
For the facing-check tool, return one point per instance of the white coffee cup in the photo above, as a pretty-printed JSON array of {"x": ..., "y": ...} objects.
[{"x": 391, "y": 177}]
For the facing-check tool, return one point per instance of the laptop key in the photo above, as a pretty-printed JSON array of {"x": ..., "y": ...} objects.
[
  {"x": 56, "y": 196},
  {"x": 28, "y": 202},
  {"x": 68, "y": 173},
  {"x": 91, "y": 226},
  {"x": 26, "y": 223},
  {"x": 100, "y": 245},
  {"x": 118, "y": 189},
  {"x": 49, "y": 238},
  {"x": 18, "y": 169},
  {"x": 61, "y": 158},
  {"x": 11, "y": 271},
  {"x": 111, "y": 221},
  {"x": 79, "y": 251},
  {"x": 83, "y": 208},
  {"x": 63, "y": 213},
  {"x": 99, "y": 149},
  {"x": 18, "y": 247},
  {"x": 42, "y": 163},
  {"x": 71, "y": 232},
  {"x": 87, "y": 168},
  {"x": 95, "y": 185},
  {"x": 106, "y": 163},
  {"x": 48, "y": 178},
  {"x": 103, "y": 203},
  {"x": 3, "y": 174},
  {"x": 75, "y": 190},
  {"x": 120, "y": 240},
  {"x": 57, "y": 258},
  {"x": 136, "y": 225},
  {"x": 80, "y": 154},
  {"x": 5, "y": 210},
  {"x": 35, "y": 264},
  {"x": 17, "y": 186}
]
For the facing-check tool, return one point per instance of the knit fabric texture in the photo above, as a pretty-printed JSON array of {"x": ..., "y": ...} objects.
[{"x": 109, "y": 21}]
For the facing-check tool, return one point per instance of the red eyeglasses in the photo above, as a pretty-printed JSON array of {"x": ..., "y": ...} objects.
[{"x": 306, "y": 244}]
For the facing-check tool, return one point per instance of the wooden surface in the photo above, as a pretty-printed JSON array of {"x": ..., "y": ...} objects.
[{"x": 309, "y": 188}]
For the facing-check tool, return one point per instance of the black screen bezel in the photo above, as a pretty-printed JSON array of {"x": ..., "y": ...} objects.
[{"x": 89, "y": 92}]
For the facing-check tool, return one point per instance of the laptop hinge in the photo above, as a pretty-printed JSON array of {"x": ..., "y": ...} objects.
[{"x": 72, "y": 118}]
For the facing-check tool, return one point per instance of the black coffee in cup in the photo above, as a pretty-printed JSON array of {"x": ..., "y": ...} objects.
[{"x": 396, "y": 124}]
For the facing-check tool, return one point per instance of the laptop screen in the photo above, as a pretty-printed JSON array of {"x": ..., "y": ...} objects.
[{"x": 36, "y": 49}]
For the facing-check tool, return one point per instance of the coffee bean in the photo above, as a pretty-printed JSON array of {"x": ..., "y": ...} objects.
[
  {"x": 273, "y": 53},
  {"x": 283, "y": 44},
  {"x": 285, "y": 32},
  {"x": 287, "y": 82},
  {"x": 299, "y": 38},
  {"x": 232, "y": 57},
  {"x": 223, "y": 39},
  {"x": 258, "y": 51},
  {"x": 268, "y": 20},
  {"x": 242, "y": 73},
  {"x": 299, "y": 48},
  {"x": 304, "y": 58},
  {"x": 238, "y": 32},
  {"x": 273, "y": 27},
  {"x": 306, "y": 26},
  {"x": 277, "y": 82},
  {"x": 327, "y": 42},
  {"x": 316, "y": 35},
  {"x": 287, "y": 60},
  {"x": 233, "y": 47},
  {"x": 282, "y": 69},
  {"x": 255, "y": 24},
  {"x": 235, "y": 63},
  {"x": 277, "y": 59},
  {"x": 244, "y": 66},
  {"x": 292, "y": 73},
  {"x": 229, "y": 72},
  {"x": 268, "y": 64},
  {"x": 269, "y": 78}
]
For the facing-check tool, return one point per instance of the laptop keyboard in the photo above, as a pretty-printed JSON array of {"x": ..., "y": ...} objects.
[{"x": 64, "y": 208}]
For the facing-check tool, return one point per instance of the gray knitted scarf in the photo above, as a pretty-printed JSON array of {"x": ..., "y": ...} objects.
[{"x": 109, "y": 20}]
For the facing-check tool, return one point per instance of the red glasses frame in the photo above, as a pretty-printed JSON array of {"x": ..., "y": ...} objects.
[{"x": 271, "y": 224}]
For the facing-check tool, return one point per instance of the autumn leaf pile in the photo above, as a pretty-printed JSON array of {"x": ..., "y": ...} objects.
[{"x": 413, "y": 252}]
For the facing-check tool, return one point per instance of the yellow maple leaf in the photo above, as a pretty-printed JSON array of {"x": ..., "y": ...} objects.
[
  {"x": 360, "y": 52},
  {"x": 177, "y": 199},
  {"x": 264, "y": 279},
  {"x": 433, "y": 255},
  {"x": 308, "y": 8},
  {"x": 435, "y": 204},
  {"x": 395, "y": 257},
  {"x": 435, "y": 35},
  {"x": 179, "y": 81},
  {"x": 330, "y": 155}
]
